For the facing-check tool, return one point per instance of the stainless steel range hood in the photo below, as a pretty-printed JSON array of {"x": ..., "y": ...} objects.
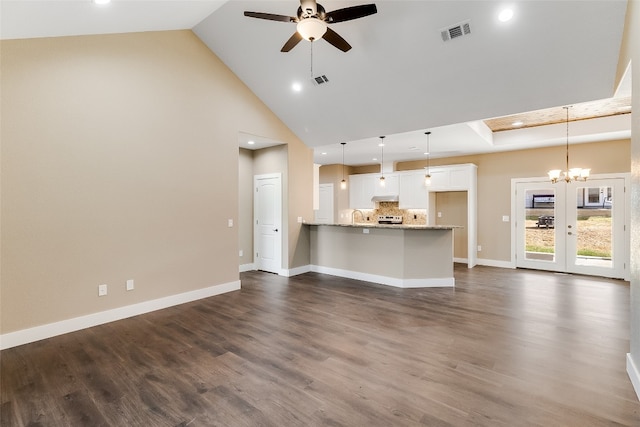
[{"x": 386, "y": 198}]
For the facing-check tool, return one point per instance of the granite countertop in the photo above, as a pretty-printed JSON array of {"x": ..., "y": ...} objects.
[{"x": 394, "y": 226}]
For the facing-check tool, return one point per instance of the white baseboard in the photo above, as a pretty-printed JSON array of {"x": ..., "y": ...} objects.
[
  {"x": 384, "y": 280},
  {"x": 297, "y": 270},
  {"x": 247, "y": 267},
  {"x": 634, "y": 374},
  {"x": 495, "y": 263},
  {"x": 25, "y": 336}
]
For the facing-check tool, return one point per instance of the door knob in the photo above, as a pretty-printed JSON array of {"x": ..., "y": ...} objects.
[
  {"x": 569, "y": 233},
  {"x": 568, "y": 226},
  {"x": 275, "y": 229}
]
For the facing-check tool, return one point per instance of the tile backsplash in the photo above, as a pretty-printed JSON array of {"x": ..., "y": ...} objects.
[{"x": 409, "y": 216}]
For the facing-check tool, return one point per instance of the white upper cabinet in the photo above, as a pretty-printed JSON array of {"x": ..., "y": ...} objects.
[
  {"x": 391, "y": 185},
  {"x": 412, "y": 191},
  {"x": 409, "y": 185},
  {"x": 361, "y": 189},
  {"x": 365, "y": 186},
  {"x": 451, "y": 178}
]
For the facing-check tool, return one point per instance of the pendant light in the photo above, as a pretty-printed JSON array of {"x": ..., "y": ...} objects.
[
  {"x": 427, "y": 176},
  {"x": 343, "y": 183},
  {"x": 573, "y": 174},
  {"x": 382, "y": 161}
]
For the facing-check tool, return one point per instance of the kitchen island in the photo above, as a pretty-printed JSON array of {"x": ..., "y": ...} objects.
[{"x": 405, "y": 256}]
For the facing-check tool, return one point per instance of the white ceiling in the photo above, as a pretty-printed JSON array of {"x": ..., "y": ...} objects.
[{"x": 400, "y": 78}]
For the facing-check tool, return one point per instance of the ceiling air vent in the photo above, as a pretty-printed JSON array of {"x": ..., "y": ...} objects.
[
  {"x": 320, "y": 80},
  {"x": 455, "y": 31}
]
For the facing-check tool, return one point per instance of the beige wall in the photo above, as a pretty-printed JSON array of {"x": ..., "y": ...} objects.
[
  {"x": 453, "y": 207},
  {"x": 120, "y": 161},
  {"x": 274, "y": 160},
  {"x": 631, "y": 51},
  {"x": 290, "y": 160},
  {"x": 245, "y": 206},
  {"x": 300, "y": 199}
]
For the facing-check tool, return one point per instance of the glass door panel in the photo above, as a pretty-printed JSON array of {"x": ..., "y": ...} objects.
[
  {"x": 595, "y": 228},
  {"x": 537, "y": 226}
]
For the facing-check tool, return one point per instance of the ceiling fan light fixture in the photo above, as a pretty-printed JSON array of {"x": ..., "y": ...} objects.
[{"x": 311, "y": 28}]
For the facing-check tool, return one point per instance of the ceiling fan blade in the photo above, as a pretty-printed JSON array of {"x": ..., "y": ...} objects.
[
  {"x": 270, "y": 16},
  {"x": 349, "y": 13},
  {"x": 336, "y": 40},
  {"x": 292, "y": 42}
]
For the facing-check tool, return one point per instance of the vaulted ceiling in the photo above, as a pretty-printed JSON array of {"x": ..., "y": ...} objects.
[{"x": 400, "y": 78}]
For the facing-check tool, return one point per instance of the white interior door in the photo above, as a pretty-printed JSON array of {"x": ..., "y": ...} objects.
[
  {"x": 324, "y": 213},
  {"x": 576, "y": 227},
  {"x": 268, "y": 222}
]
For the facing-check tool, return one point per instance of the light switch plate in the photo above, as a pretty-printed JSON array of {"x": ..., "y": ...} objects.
[
  {"x": 505, "y": 218},
  {"x": 230, "y": 223},
  {"x": 102, "y": 290},
  {"x": 130, "y": 286}
]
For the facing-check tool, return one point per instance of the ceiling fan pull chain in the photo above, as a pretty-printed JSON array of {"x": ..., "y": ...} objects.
[{"x": 311, "y": 60}]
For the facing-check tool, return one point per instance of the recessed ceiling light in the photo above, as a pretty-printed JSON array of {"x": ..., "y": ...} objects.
[
  {"x": 517, "y": 124},
  {"x": 380, "y": 145},
  {"x": 374, "y": 159},
  {"x": 296, "y": 86},
  {"x": 505, "y": 15},
  {"x": 324, "y": 153},
  {"x": 426, "y": 153},
  {"x": 101, "y": 2},
  {"x": 251, "y": 142}
]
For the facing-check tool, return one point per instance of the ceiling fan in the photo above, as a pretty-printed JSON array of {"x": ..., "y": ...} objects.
[{"x": 312, "y": 22}]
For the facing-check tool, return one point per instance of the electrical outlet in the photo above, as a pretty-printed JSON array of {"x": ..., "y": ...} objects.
[
  {"x": 230, "y": 223},
  {"x": 300, "y": 220},
  {"x": 241, "y": 253},
  {"x": 439, "y": 214},
  {"x": 365, "y": 231},
  {"x": 102, "y": 290},
  {"x": 505, "y": 218},
  {"x": 130, "y": 286},
  {"x": 479, "y": 248}
]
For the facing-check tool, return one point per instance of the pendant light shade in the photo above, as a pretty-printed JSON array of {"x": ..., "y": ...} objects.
[
  {"x": 343, "y": 183},
  {"x": 427, "y": 175},
  {"x": 382, "y": 183},
  {"x": 573, "y": 174}
]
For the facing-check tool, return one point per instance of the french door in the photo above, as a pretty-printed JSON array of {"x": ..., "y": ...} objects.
[{"x": 576, "y": 227}]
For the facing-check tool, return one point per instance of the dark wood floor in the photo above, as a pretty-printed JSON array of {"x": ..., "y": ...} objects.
[{"x": 504, "y": 348}]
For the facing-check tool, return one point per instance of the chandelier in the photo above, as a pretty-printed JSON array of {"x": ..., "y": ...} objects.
[{"x": 573, "y": 174}]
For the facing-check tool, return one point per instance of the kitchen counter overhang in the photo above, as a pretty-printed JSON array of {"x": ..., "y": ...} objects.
[{"x": 406, "y": 256}]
